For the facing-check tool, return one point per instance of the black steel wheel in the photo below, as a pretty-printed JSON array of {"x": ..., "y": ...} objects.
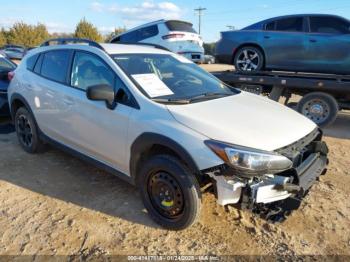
[
  {"x": 170, "y": 192},
  {"x": 249, "y": 59},
  {"x": 27, "y": 131},
  {"x": 165, "y": 194}
]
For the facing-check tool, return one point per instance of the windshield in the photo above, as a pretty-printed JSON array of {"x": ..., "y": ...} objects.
[
  {"x": 6, "y": 65},
  {"x": 164, "y": 77}
]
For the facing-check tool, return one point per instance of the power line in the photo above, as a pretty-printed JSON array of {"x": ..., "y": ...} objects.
[{"x": 199, "y": 11}]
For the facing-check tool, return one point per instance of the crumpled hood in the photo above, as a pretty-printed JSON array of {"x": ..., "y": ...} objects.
[{"x": 245, "y": 119}]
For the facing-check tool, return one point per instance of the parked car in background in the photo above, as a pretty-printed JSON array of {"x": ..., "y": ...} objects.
[
  {"x": 6, "y": 67},
  {"x": 137, "y": 111},
  {"x": 307, "y": 43},
  {"x": 14, "y": 51},
  {"x": 177, "y": 36},
  {"x": 209, "y": 59}
]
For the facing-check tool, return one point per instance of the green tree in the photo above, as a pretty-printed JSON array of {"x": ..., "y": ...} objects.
[
  {"x": 27, "y": 35},
  {"x": 3, "y": 40},
  {"x": 87, "y": 30},
  {"x": 41, "y": 34},
  {"x": 117, "y": 31}
]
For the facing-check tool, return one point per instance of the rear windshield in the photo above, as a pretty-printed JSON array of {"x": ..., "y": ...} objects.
[{"x": 180, "y": 26}]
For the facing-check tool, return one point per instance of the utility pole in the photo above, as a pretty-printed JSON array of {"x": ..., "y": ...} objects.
[{"x": 199, "y": 11}]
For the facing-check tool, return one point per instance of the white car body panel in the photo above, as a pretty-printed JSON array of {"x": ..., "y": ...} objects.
[{"x": 245, "y": 119}]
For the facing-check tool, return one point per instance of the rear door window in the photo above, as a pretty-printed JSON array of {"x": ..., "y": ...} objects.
[
  {"x": 55, "y": 65},
  {"x": 329, "y": 25},
  {"x": 140, "y": 34},
  {"x": 293, "y": 24},
  {"x": 270, "y": 26},
  {"x": 130, "y": 37},
  {"x": 148, "y": 32},
  {"x": 180, "y": 26}
]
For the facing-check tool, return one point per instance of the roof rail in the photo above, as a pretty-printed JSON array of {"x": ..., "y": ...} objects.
[
  {"x": 144, "y": 44},
  {"x": 66, "y": 41}
]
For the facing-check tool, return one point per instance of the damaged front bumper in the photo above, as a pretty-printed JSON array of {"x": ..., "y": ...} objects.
[{"x": 261, "y": 191}]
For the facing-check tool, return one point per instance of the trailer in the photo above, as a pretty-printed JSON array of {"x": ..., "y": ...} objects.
[{"x": 323, "y": 95}]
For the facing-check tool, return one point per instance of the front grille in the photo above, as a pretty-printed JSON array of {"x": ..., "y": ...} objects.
[{"x": 301, "y": 149}]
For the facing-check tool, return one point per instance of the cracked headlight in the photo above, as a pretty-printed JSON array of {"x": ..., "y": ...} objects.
[{"x": 248, "y": 160}]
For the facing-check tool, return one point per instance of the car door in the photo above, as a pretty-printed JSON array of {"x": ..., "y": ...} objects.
[
  {"x": 329, "y": 45},
  {"x": 284, "y": 43},
  {"x": 89, "y": 126},
  {"x": 44, "y": 88}
]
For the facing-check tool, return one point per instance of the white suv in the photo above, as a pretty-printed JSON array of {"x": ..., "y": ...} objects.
[
  {"x": 177, "y": 36},
  {"x": 159, "y": 121}
]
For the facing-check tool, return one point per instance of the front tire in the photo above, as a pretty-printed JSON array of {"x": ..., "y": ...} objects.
[
  {"x": 27, "y": 131},
  {"x": 170, "y": 192},
  {"x": 249, "y": 59}
]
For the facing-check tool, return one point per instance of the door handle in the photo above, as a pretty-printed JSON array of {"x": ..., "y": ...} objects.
[
  {"x": 313, "y": 40},
  {"x": 267, "y": 37}
]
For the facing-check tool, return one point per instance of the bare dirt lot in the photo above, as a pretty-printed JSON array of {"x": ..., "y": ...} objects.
[{"x": 53, "y": 203}]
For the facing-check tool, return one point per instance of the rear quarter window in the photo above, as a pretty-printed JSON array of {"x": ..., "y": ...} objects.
[{"x": 31, "y": 61}]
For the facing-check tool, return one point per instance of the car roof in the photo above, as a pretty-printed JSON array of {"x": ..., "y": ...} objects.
[
  {"x": 152, "y": 23},
  {"x": 111, "y": 49},
  {"x": 130, "y": 49},
  {"x": 301, "y": 15}
]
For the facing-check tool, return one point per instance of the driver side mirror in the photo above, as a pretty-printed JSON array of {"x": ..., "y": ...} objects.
[{"x": 102, "y": 93}]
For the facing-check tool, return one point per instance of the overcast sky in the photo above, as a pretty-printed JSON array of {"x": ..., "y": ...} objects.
[{"x": 63, "y": 15}]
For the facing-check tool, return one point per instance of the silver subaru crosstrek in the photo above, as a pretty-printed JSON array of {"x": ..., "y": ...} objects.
[{"x": 159, "y": 121}]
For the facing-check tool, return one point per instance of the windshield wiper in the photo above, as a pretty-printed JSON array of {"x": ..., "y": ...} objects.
[
  {"x": 208, "y": 95},
  {"x": 176, "y": 101},
  {"x": 182, "y": 101}
]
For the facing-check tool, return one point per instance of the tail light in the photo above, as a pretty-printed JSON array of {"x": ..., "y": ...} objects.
[
  {"x": 10, "y": 75},
  {"x": 172, "y": 36}
]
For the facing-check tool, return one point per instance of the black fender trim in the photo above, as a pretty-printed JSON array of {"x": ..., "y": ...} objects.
[
  {"x": 146, "y": 140},
  {"x": 16, "y": 96}
]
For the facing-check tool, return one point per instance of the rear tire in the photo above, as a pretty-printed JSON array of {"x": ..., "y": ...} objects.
[
  {"x": 170, "y": 192},
  {"x": 249, "y": 59},
  {"x": 27, "y": 131},
  {"x": 320, "y": 107}
]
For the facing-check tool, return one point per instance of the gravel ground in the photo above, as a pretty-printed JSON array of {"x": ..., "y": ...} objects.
[{"x": 53, "y": 203}]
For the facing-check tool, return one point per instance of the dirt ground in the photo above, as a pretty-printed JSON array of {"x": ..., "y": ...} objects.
[{"x": 53, "y": 203}]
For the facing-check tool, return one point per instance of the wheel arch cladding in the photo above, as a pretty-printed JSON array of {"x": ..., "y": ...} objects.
[
  {"x": 150, "y": 144},
  {"x": 252, "y": 45},
  {"x": 16, "y": 102}
]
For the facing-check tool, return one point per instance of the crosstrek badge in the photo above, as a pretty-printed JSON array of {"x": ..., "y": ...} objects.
[{"x": 152, "y": 85}]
